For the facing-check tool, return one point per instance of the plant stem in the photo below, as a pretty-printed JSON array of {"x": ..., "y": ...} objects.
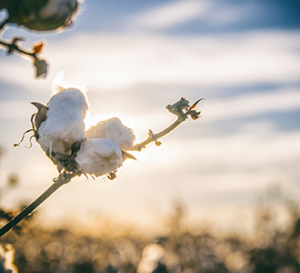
[
  {"x": 63, "y": 179},
  {"x": 182, "y": 110},
  {"x": 14, "y": 47},
  {"x": 154, "y": 137}
]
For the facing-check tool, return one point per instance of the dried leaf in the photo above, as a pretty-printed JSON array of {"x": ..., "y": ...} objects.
[
  {"x": 195, "y": 114},
  {"x": 38, "y": 48},
  {"x": 41, "y": 67},
  {"x": 194, "y": 105}
]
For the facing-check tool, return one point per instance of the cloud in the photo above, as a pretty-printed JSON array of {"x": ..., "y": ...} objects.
[
  {"x": 169, "y": 15},
  {"x": 122, "y": 61},
  {"x": 251, "y": 105},
  {"x": 244, "y": 162},
  {"x": 14, "y": 110},
  {"x": 230, "y": 15},
  {"x": 206, "y": 16}
]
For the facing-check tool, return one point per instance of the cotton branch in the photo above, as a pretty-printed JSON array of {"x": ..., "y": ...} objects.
[
  {"x": 40, "y": 64},
  {"x": 13, "y": 46},
  {"x": 62, "y": 179},
  {"x": 46, "y": 15},
  {"x": 182, "y": 110}
]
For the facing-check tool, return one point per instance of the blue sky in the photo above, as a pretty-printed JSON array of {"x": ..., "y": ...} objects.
[
  {"x": 136, "y": 57},
  {"x": 194, "y": 17}
]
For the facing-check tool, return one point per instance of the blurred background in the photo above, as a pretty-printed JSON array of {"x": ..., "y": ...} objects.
[{"x": 136, "y": 57}]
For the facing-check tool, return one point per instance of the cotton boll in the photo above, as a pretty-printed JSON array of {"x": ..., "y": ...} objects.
[
  {"x": 41, "y": 15},
  {"x": 98, "y": 156},
  {"x": 114, "y": 130},
  {"x": 103, "y": 150},
  {"x": 58, "y": 8},
  {"x": 63, "y": 126},
  {"x": 60, "y": 130}
]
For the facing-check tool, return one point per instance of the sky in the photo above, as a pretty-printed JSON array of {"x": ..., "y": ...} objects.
[{"x": 136, "y": 57}]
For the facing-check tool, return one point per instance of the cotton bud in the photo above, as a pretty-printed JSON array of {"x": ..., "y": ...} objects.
[{"x": 41, "y": 15}]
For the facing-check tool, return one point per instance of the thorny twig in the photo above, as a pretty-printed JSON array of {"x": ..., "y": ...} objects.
[{"x": 181, "y": 109}]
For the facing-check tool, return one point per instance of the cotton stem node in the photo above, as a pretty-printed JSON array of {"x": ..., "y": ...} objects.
[{"x": 64, "y": 177}]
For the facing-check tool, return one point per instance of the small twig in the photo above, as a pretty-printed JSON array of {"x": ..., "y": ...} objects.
[
  {"x": 26, "y": 132},
  {"x": 40, "y": 65},
  {"x": 13, "y": 46},
  {"x": 62, "y": 179},
  {"x": 154, "y": 137},
  {"x": 182, "y": 110}
]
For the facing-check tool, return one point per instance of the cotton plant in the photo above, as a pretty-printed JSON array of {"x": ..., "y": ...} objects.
[
  {"x": 59, "y": 128},
  {"x": 38, "y": 16}
]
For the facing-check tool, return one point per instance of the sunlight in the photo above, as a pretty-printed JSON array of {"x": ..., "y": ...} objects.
[{"x": 136, "y": 60}]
